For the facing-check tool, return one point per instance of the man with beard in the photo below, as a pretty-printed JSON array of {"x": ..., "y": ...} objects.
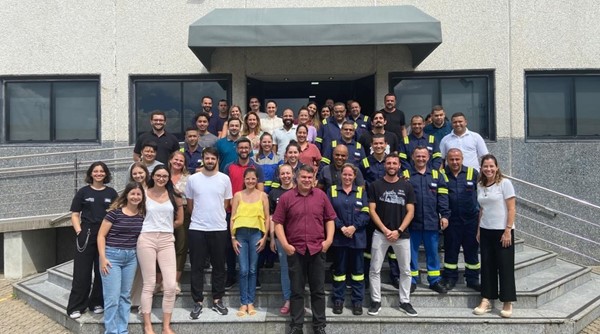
[
  {"x": 166, "y": 143},
  {"x": 304, "y": 224},
  {"x": 378, "y": 122},
  {"x": 226, "y": 146},
  {"x": 223, "y": 115},
  {"x": 208, "y": 193},
  {"x": 213, "y": 119},
  {"x": 332, "y": 174},
  {"x": 205, "y": 138},
  {"x": 235, "y": 170},
  {"x": 254, "y": 105},
  {"x": 440, "y": 126},
  {"x": 283, "y": 135},
  {"x": 269, "y": 121},
  {"x": 418, "y": 138},
  {"x": 392, "y": 207},
  {"x": 192, "y": 151},
  {"x": 395, "y": 117}
]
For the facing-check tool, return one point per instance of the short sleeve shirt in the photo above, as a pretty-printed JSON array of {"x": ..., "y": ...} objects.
[{"x": 391, "y": 200}]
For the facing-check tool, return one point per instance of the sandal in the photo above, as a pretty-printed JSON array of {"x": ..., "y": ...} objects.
[
  {"x": 285, "y": 309},
  {"x": 251, "y": 310},
  {"x": 483, "y": 308},
  {"x": 242, "y": 311},
  {"x": 506, "y": 313}
]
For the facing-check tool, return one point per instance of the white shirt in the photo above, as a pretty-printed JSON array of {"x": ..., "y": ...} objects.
[
  {"x": 159, "y": 216},
  {"x": 470, "y": 143},
  {"x": 208, "y": 194},
  {"x": 268, "y": 124},
  {"x": 282, "y": 137},
  {"x": 492, "y": 200}
]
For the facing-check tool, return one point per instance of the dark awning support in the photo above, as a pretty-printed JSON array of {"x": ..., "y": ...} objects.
[{"x": 331, "y": 26}]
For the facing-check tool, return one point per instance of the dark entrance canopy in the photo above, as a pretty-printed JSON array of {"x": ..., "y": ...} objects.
[{"x": 331, "y": 26}]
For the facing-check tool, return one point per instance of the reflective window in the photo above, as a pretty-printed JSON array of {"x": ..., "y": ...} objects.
[
  {"x": 178, "y": 97},
  {"x": 468, "y": 92},
  {"x": 52, "y": 110},
  {"x": 562, "y": 105}
]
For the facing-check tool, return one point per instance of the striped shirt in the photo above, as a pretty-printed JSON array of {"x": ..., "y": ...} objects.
[{"x": 125, "y": 229}]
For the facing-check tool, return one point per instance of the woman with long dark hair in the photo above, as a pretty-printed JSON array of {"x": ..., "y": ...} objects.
[
  {"x": 164, "y": 213},
  {"x": 117, "y": 241},
  {"x": 87, "y": 212},
  {"x": 496, "y": 197}
]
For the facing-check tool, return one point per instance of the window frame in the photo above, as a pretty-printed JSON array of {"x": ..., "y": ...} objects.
[
  {"x": 557, "y": 73},
  {"x": 51, "y": 79},
  {"x": 489, "y": 74},
  {"x": 133, "y": 79}
]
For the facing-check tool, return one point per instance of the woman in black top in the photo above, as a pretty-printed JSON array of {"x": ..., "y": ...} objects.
[{"x": 88, "y": 209}]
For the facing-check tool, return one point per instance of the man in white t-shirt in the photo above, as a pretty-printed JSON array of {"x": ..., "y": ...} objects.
[{"x": 208, "y": 194}]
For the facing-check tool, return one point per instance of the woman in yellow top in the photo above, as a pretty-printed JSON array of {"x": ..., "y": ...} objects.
[{"x": 249, "y": 227}]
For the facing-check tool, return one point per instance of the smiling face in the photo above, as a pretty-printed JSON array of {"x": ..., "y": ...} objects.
[
  {"x": 392, "y": 165},
  {"x": 254, "y": 104},
  {"x": 250, "y": 179},
  {"x": 459, "y": 124},
  {"x": 243, "y": 150},
  {"x": 286, "y": 175},
  {"x": 234, "y": 126},
  {"x": 312, "y": 109},
  {"x": 340, "y": 155},
  {"x": 378, "y": 145},
  {"x": 271, "y": 109},
  {"x": 420, "y": 156},
  {"x": 339, "y": 112},
  {"x": 416, "y": 126},
  {"x": 288, "y": 118},
  {"x": 354, "y": 109},
  {"x": 266, "y": 143},
  {"x": 303, "y": 116},
  {"x": 301, "y": 134},
  {"x": 210, "y": 162},
  {"x": 454, "y": 159},
  {"x": 148, "y": 154},
  {"x": 347, "y": 132},
  {"x": 178, "y": 161},
  {"x": 305, "y": 181},
  {"x": 390, "y": 102},
  {"x": 235, "y": 112},
  {"x": 489, "y": 168},
  {"x": 98, "y": 174},
  {"x": 348, "y": 176},
  {"x": 378, "y": 121},
  {"x": 325, "y": 112},
  {"x": 161, "y": 177},
  {"x": 158, "y": 123},
  {"x": 207, "y": 104},
  {"x": 291, "y": 155},
  {"x": 252, "y": 121},
  {"x": 139, "y": 175},
  {"x": 135, "y": 196},
  {"x": 202, "y": 124}
]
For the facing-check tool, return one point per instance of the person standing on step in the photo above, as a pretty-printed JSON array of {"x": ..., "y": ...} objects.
[
  {"x": 431, "y": 213},
  {"x": 462, "y": 227},
  {"x": 350, "y": 239},
  {"x": 391, "y": 207},
  {"x": 88, "y": 209},
  {"x": 208, "y": 194},
  {"x": 304, "y": 224},
  {"x": 249, "y": 228},
  {"x": 496, "y": 236},
  {"x": 117, "y": 239},
  {"x": 156, "y": 244}
]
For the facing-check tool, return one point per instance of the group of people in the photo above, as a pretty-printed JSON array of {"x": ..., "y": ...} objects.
[{"x": 242, "y": 187}]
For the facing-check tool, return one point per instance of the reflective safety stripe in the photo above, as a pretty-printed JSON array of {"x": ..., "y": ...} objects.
[
  {"x": 182, "y": 149},
  {"x": 358, "y": 278},
  {"x": 275, "y": 184},
  {"x": 340, "y": 278},
  {"x": 406, "y": 173},
  {"x": 443, "y": 191},
  {"x": 325, "y": 160},
  {"x": 268, "y": 183},
  {"x": 358, "y": 146},
  {"x": 366, "y": 163},
  {"x": 431, "y": 139},
  {"x": 433, "y": 273},
  {"x": 469, "y": 173},
  {"x": 324, "y": 121},
  {"x": 333, "y": 191},
  {"x": 435, "y": 174},
  {"x": 319, "y": 140},
  {"x": 436, "y": 155},
  {"x": 450, "y": 266},
  {"x": 402, "y": 155},
  {"x": 392, "y": 256},
  {"x": 475, "y": 266},
  {"x": 367, "y": 255},
  {"x": 355, "y": 125},
  {"x": 359, "y": 192},
  {"x": 366, "y": 118},
  {"x": 414, "y": 273},
  {"x": 406, "y": 141},
  {"x": 365, "y": 209},
  {"x": 333, "y": 143}
]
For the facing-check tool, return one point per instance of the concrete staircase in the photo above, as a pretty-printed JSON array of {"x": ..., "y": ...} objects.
[{"x": 554, "y": 296}]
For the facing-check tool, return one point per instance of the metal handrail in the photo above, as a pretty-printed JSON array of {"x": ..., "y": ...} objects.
[
  {"x": 65, "y": 152},
  {"x": 554, "y": 192}
]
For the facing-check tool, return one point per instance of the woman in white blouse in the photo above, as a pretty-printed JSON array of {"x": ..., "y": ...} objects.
[{"x": 496, "y": 197}]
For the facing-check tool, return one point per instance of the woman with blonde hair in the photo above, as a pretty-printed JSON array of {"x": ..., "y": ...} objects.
[
  {"x": 251, "y": 130},
  {"x": 496, "y": 197}
]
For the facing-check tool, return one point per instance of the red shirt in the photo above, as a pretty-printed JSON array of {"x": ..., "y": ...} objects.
[
  {"x": 303, "y": 219},
  {"x": 310, "y": 156}
]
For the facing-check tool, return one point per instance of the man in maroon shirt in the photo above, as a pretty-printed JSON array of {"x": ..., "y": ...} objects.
[{"x": 304, "y": 224}]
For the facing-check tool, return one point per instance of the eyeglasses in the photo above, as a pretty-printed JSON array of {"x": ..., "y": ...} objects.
[{"x": 159, "y": 176}]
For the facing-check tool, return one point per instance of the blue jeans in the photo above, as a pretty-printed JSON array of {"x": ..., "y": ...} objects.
[
  {"x": 285, "y": 275},
  {"x": 117, "y": 289},
  {"x": 248, "y": 258}
]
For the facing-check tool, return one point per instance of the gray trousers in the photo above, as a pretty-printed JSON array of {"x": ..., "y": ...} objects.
[{"x": 401, "y": 248}]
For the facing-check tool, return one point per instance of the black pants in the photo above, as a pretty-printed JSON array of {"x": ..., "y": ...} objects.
[
  {"x": 84, "y": 262},
  {"x": 497, "y": 264},
  {"x": 312, "y": 267},
  {"x": 203, "y": 244}
]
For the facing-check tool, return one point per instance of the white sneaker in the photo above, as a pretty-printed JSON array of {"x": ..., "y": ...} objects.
[
  {"x": 98, "y": 309},
  {"x": 75, "y": 315}
]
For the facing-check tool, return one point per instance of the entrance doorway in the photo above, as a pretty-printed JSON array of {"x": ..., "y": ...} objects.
[{"x": 294, "y": 94}]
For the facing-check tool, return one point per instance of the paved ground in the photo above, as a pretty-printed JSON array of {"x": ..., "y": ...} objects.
[{"x": 18, "y": 318}]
